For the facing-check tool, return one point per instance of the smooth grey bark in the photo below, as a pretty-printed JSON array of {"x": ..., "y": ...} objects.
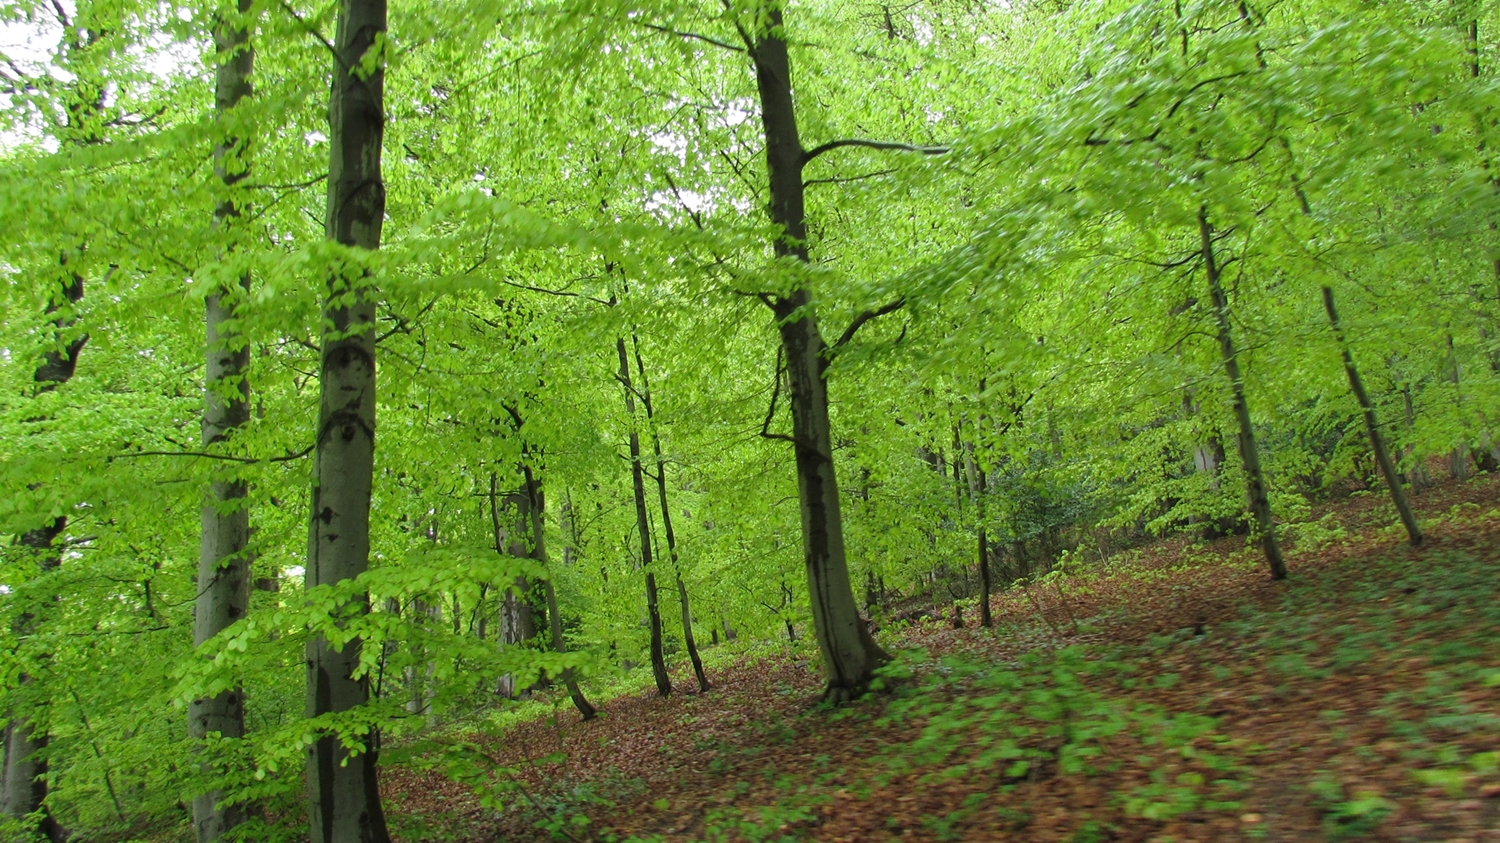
[
  {"x": 643, "y": 525},
  {"x": 23, "y": 789},
  {"x": 344, "y": 790},
  {"x": 666, "y": 524},
  {"x": 1255, "y": 482},
  {"x": 850, "y": 654},
  {"x": 223, "y": 560},
  {"x": 554, "y": 616},
  {"x": 25, "y": 771},
  {"x": 1372, "y": 425}
]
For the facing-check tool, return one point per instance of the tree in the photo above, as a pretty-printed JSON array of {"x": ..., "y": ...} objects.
[
  {"x": 666, "y": 521},
  {"x": 224, "y": 563},
  {"x": 342, "y": 782},
  {"x": 850, "y": 654},
  {"x": 643, "y": 527}
]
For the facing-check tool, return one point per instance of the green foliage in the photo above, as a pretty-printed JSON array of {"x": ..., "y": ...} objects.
[
  {"x": 560, "y": 175},
  {"x": 1049, "y": 716},
  {"x": 1349, "y": 818}
]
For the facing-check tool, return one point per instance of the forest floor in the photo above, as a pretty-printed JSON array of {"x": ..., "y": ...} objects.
[{"x": 1170, "y": 693}]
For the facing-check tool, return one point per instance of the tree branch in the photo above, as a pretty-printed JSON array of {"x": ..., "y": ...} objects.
[
  {"x": 765, "y": 426},
  {"x": 693, "y": 35},
  {"x": 313, "y": 31},
  {"x": 563, "y": 293},
  {"x": 865, "y": 316},
  {"x": 231, "y": 458},
  {"x": 403, "y": 325},
  {"x": 869, "y": 144},
  {"x": 847, "y": 179}
]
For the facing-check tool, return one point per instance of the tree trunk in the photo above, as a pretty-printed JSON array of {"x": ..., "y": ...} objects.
[
  {"x": 850, "y": 654},
  {"x": 977, "y": 492},
  {"x": 666, "y": 524},
  {"x": 343, "y": 787},
  {"x": 223, "y": 560},
  {"x": 517, "y": 621},
  {"x": 1418, "y": 476},
  {"x": 1458, "y": 458},
  {"x": 1372, "y": 426},
  {"x": 554, "y": 617},
  {"x": 23, "y": 790},
  {"x": 643, "y": 524},
  {"x": 1255, "y": 482}
]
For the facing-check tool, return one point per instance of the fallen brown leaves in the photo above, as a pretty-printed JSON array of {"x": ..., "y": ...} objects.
[{"x": 1330, "y": 706}]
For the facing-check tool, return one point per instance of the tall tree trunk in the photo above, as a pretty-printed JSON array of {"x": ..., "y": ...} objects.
[
  {"x": 223, "y": 560},
  {"x": 1372, "y": 426},
  {"x": 1255, "y": 482},
  {"x": 643, "y": 524},
  {"x": 977, "y": 483},
  {"x": 850, "y": 654},
  {"x": 1418, "y": 476},
  {"x": 554, "y": 616},
  {"x": 517, "y": 621},
  {"x": 1458, "y": 458},
  {"x": 984, "y": 551},
  {"x": 23, "y": 790},
  {"x": 343, "y": 787},
  {"x": 666, "y": 523}
]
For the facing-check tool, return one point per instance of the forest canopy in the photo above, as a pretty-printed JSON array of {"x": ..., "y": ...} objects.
[{"x": 362, "y": 368}]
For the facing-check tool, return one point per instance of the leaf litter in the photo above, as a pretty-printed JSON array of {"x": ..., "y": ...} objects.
[{"x": 1172, "y": 693}]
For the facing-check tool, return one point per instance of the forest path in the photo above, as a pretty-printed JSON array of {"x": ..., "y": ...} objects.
[{"x": 1174, "y": 693}]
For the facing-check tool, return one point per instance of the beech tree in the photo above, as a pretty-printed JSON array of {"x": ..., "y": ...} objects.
[
  {"x": 343, "y": 779},
  {"x": 223, "y": 563}
]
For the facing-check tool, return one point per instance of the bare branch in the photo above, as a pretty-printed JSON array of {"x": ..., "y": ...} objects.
[
  {"x": 765, "y": 426},
  {"x": 694, "y": 215},
  {"x": 846, "y": 179},
  {"x": 869, "y": 144},
  {"x": 866, "y": 316},
  {"x": 229, "y": 457},
  {"x": 693, "y": 35},
  {"x": 301, "y": 185},
  {"x": 313, "y": 31},
  {"x": 563, "y": 293},
  {"x": 403, "y": 324}
]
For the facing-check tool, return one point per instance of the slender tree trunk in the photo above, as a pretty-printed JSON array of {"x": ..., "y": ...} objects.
[
  {"x": 643, "y": 524},
  {"x": 554, "y": 616},
  {"x": 223, "y": 559},
  {"x": 958, "y": 474},
  {"x": 517, "y": 621},
  {"x": 1418, "y": 476},
  {"x": 23, "y": 790},
  {"x": 666, "y": 524},
  {"x": 1458, "y": 458},
  {"x": 850, "y": 654},
  {"x": 977, "y": 483},
  {"x": 984, "y": 556},
  {"x": 1255, "y": 482},
  {"x": 343, "y": 787},
  {"x": 1372, "y": 425}
]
